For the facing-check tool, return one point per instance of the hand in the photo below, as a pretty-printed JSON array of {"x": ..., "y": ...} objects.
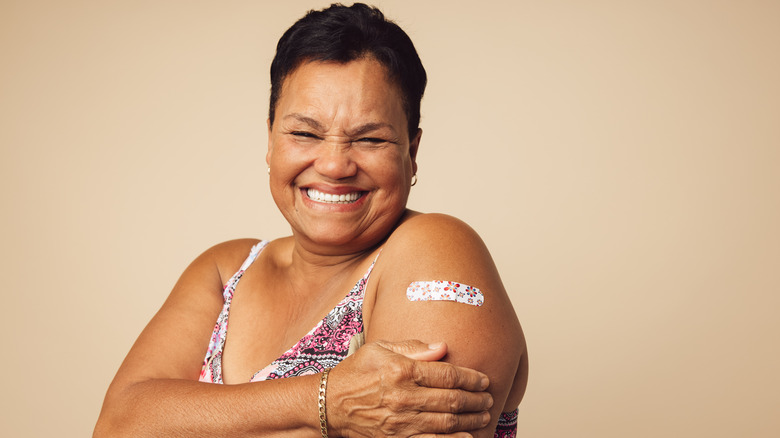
[{"x": 399, "y": 389}]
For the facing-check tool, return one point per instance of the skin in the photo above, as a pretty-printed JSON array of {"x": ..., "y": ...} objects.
[
  {"x": 340, "y": 129},
  {"x": 487, "y": 338}
]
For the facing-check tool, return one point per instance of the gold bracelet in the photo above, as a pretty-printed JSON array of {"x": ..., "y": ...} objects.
[{"x": 321, "y": 403}]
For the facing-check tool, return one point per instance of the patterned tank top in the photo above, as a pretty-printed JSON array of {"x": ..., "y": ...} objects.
[{"x": 325, "y": 346}]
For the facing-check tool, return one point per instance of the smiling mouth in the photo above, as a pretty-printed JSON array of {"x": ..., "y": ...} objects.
[{"x": 327, "y": 198}]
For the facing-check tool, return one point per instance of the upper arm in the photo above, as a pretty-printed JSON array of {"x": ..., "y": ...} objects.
[
  {"x": 174, "y": 342},
  {"x": 487, "y": 338}
]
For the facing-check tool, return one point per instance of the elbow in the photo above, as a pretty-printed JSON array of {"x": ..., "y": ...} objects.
[
  {"x": 115, "y": 419},
  {"x": 105, "y": 428},
  {"x": 101, "y": 429}
]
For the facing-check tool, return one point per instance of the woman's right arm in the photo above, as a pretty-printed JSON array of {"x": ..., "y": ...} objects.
[{"x": 156, "y": 391}]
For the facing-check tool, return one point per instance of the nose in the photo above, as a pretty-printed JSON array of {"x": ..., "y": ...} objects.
[{"x": 335, "y": 161}]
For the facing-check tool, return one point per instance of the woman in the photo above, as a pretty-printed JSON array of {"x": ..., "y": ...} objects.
[{"x": 443, "y": 350}]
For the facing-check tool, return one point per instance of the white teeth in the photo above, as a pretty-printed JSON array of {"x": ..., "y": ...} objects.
[{"x": 319, "y": 196}]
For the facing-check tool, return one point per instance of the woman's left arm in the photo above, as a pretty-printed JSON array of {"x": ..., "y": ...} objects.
[{"x": 469, "y": 309}]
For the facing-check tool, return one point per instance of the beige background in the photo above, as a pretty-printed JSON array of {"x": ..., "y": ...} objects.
[{"x": 620, "y": 158}]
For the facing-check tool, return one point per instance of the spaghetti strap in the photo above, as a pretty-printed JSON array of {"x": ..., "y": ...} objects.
[
  {"x": 213, "y": 359},
  {"x": 324, "y": 346},
  {"x": 336, "y": 336},
  {"x": 230, "y": 286}
]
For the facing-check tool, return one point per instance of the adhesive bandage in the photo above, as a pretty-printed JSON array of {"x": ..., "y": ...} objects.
[{"x": 444, "y": 291}]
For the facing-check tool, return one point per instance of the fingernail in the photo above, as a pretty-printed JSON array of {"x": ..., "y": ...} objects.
[
  {"x": 434, "y": 346},
  {"x": 490, "y": 402},
  {"x": 485, "y": 382},
  {"x": 485, "y": 419}
]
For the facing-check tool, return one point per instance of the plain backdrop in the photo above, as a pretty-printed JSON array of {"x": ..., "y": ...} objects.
[{"x": 621, "y": 159}]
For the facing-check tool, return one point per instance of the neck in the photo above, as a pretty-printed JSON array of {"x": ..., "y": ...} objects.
[
  {"x": 307, "y": 271},
  {"x": 310, "y": 261}
]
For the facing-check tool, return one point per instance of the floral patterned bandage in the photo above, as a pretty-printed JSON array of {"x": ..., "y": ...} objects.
[{"x": 444, "y": 291}]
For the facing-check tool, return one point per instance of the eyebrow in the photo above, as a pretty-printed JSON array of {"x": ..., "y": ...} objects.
[
  {"x": 307, "y": 120},
  {"x": 360, "y": 130},
  {"x": 369, "y": 127}
]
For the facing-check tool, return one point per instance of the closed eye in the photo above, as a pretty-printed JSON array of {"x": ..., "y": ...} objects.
[
  {"x": 372, "y": 140},
  {"x": 303, "y": 134}
]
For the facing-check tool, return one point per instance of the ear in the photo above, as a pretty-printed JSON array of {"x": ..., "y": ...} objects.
[
  {"x": 414, "y": 146},
  {"x": 270, "y": 145}
]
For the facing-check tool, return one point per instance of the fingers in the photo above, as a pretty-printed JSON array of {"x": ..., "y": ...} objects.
[
  {"x": 442, "y": 375},
  {"x": 450, "y": 425},
  {"x": 445, "y": 375},
  {"x": 400, "y": 388},
  {"x": 426, "y": 424},
  {"x": 455, "y": 401},
  {"x": 449, "y": 435},
  {"x": 414, "y": 349}
]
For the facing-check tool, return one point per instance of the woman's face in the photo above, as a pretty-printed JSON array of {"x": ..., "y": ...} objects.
[{"x": 340, "y": 157}]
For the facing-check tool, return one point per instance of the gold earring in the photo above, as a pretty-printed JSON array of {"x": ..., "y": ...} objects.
[{"x": 414, "y": 179}]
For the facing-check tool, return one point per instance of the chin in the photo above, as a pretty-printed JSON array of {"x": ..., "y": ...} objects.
[{"x": 345, "y": 237}]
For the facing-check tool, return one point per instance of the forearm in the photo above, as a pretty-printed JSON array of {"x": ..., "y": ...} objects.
[{"x": 173, "y": 408}]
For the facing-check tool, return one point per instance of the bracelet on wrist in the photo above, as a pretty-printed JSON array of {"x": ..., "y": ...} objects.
[{"x": 321, "y": 403}]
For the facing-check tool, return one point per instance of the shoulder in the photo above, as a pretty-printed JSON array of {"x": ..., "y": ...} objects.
[
  {"x": 218, "y": 263},
  {"x": 427, "y": 223},
  {"x": 437, "y": 243},
  {"x": 230, "y": 254},
  {"x": 430, "y": 222},
  {"x": 231, "y": 249},
  {"x": 438, "y": 249},
  {"x": 438, "y": 282}
]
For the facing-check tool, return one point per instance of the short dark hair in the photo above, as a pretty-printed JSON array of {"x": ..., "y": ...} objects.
[{"x": 343, "y": 34}]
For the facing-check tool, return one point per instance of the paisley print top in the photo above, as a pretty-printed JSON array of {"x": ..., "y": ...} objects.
[{"x": 326, "y": 344}]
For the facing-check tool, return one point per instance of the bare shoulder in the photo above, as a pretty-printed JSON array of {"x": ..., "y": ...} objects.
[
  {"x": 438, "y": 282},
  {"x": 225, "y": 258},
  {"x": 427, "y": 223},
  {"x": 172, "y": 344},
  {"x": 438, "y": 247},
  {"x": 436, "y": 243}
]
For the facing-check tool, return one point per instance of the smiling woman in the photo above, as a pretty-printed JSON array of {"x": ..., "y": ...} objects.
[
  {"x": 341, "y": 131},
  {"x": 371, "y": 319}
]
